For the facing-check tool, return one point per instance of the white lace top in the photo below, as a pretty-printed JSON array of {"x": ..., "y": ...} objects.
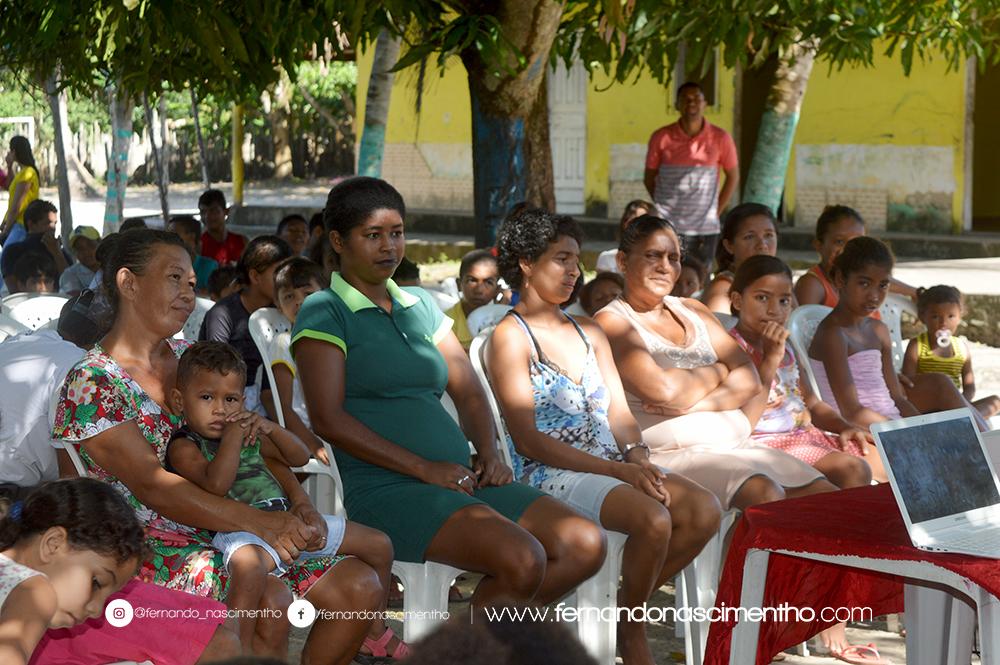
[
  {"x": 12, "y": 573},
  {"x": 696, "y": 351}
]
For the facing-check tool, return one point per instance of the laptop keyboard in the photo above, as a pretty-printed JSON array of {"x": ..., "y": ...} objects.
[{"x": 985, "y": 542}]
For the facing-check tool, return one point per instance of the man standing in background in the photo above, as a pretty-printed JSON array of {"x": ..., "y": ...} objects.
[{"x": 682, "y": 173}]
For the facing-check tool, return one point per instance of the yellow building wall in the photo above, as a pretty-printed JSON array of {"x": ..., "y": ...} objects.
[
  {"x": 880, "y": 106},
  {"x": 428, "y": 155},
  {"x": 620, "y": 120}
]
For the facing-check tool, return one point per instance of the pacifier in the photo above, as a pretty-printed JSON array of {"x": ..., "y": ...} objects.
[{"x": 944, "y": 338}]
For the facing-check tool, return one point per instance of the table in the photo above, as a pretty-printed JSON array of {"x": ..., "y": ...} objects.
[{"x": 850, "y": 549}]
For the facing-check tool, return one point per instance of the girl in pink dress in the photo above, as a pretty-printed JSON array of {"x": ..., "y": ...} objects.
[
  {"x": 795, "y": 420},
  {"x": 851, "y": 353}
]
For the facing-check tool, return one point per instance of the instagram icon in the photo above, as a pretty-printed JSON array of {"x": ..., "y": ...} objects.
[{"x": 119, "y": 612}]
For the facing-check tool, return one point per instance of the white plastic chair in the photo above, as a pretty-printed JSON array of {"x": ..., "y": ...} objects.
[
  {"x": 425, "y": 597},
  {"x": 445, "y": 301},
  {"x": 600, "y": 591},
  {"x": 892, "y": 311},
  {"x": 8, "y": 302},
  {"x": 728, "y": 321},
  {"x": 36, "y": 312},
  {"x": 696, "y": 585},
  {"x": 193, "y": 325},
  {"x": 802, "y": 326},
  {"x": 264, "y": 325},
  {"x": 487, "y": 316},
  {"x": 9, "y": 327}
]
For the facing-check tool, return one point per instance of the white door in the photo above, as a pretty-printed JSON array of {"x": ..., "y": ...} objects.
[{"x": 568, "y": 135}]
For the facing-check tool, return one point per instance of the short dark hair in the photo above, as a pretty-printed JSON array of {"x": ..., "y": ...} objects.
[
  {"x": 407, "y": 270},
  {"x": 38, "y": 211},
  {"x": 641, "y": 228},
  {"x": 939, "y": 295},
  {"x": 289, "y": 219},
  {"x": 694, "y": 263},
  {"x": 132, "y": 223},
  {"x": 133, "y": 250},
  {"x": 474, "y": 257},
  {"x": 188, "y": 223},
  {"x": 354, "y": 200},
  {"x": 860, "y": 252},
  {"x": 222, "y": 278},
  {"x": 316, "y": 222},
  {"x": 588, "y": 289},
  {"x": 833, "y": 214},
  {"x": 34, "y": 264},
  {"x": 731, "y": 228},
  {"x": 95, "y": 515},
  {"x": 205, "y": 356},
  {"x": 528, "y": 235},
  {"x": 688, "y": 85},
  {"x": 211, "y": 197},
  {"x": 296, "y": 272},
  {"x": 756, "y": 267},
  {"x": 629, "y": 216},
  {"x": 260, "y": 254}
]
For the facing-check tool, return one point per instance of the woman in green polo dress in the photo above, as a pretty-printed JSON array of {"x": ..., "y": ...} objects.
[{"x": 374, "y": 360}]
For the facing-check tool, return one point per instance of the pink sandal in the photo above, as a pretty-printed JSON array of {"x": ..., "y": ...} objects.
[
  {"x": 379, "y": 653},
  {"x": 860, "y": 654}
]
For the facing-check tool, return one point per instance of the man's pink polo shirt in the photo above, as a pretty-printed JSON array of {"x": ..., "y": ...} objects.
[{"x": 687, "y": 175}]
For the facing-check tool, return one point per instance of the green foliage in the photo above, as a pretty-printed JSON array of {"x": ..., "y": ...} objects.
[
  {"x": 229, "y": 48},
  {"x": 648, "y": 34}
]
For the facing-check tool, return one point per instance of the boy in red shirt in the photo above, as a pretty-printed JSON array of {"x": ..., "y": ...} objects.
[{"x": 217, "y": 242}]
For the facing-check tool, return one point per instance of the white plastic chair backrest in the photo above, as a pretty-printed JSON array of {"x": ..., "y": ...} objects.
[
  {"x": 487, "y": 316},
  {"x": 892, "y": 316},
  {"x": 728, "y": 321},
  {"x": 8, "y": 302},
  {"x": 71, "y": 450},
  {"x": 193, "y": 325},
  {"x": 477, "y": 354},
  {"x": 265, "y": 324},
  {"x": 36, "y": 312},
  {"x": 445, "y": 301},
  {"x": 802, "y": 326},
  {"x": 9, "y": 327}
]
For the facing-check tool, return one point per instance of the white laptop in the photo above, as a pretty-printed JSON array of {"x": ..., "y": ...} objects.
[{"x": 943, "y": 481}]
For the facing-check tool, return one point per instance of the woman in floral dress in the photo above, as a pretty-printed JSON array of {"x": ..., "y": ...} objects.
[{"x": 114, "y": 407}]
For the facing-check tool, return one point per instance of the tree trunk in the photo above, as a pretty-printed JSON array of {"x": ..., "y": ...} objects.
[
  {"x": 278, "y": 117},
  {"x": 501, "y": 106},
  {"x": 237, "y": 147},
  {"x": 538, "y": 152},
  {"x": 377, "y": 105},
  {"x": 121, "y": 141},
  {"x": 766, "y": 179},
  {"x": 164, "y": 165},
  {"x": 60, "y": 125},
  {"x": 157, "y": 161},
  {"x": 202, "y": 154}
]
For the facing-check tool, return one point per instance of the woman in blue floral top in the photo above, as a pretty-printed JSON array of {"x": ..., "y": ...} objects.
[{"x": 571, "y": 431}]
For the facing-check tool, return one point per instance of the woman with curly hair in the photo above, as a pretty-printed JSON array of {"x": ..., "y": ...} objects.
[{"x": 571, "y": 433}]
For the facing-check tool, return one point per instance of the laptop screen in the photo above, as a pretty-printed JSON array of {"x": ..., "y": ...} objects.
[{"x": 940, "y": 469}]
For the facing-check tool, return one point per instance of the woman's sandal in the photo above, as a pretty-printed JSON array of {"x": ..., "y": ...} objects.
[
  {"x": 379, "y": 653},
  {"x": 861, "y": 654}
]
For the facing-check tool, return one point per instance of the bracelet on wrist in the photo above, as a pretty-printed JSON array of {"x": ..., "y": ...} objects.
[{"x": 629, "y": 447}]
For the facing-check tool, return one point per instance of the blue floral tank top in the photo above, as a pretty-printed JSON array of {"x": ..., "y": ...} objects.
[{"x": 574, "y": 413}]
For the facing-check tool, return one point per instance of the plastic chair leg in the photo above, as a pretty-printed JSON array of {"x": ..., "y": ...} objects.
[
  {"x": 425, "y": 595},
  {"x": 599, "y": 636}
]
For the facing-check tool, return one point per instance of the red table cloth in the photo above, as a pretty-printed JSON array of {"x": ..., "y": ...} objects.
[{"x": 858, "y": 522}]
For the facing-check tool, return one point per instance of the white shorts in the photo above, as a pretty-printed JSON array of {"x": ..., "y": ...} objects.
[
  {"x": 228, "y": 543},
  {"x": 584, "y": 492}
]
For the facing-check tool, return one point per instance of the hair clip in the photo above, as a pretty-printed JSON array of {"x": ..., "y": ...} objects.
[{"x": 15, "y": 511}]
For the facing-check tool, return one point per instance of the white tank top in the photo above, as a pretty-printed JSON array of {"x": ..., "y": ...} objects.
[{"x": 12, "y": 573}]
